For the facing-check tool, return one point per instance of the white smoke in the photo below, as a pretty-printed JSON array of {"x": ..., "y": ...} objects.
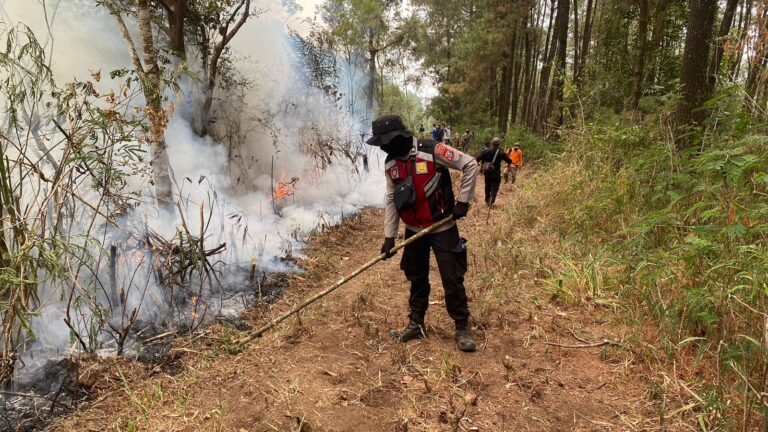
[{"x": 280, "y": 113}]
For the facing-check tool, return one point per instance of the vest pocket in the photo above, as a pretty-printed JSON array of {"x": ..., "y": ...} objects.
[{"x": 405, "y": 194}]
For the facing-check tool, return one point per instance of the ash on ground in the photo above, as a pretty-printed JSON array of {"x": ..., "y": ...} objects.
[
  {"x": 47, "y": 385},
  {"x": 51, "y": 391}
]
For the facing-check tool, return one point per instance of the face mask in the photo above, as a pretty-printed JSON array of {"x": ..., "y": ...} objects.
[{"x": 399, "y": 146}]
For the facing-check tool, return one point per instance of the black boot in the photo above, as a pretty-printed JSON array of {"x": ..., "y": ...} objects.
[
  {"x": 464, "y": 341},
  {"x": 414, "y": 330}
]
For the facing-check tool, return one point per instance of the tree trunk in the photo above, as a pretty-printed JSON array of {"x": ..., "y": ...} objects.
[
  {"x": 153, "y": 92},
  {"x": 745, "y": 19},
  {"x": 544, "y": 77},
  {"x": 642, "y": 43},
  {"x": 449, "y": 49},
  {"x": 760, "y": 91},
  {"x": 521, "y": 35},
  {"x": 210, "y": 88},
  {"x": 227, "y": 34},
  {"x": 533, "y": 56},
  {"x": 548, "y": 42},
  {"x": 371, "y": 87},
  {"x": 506, "y": 83},
  {"x": 725, "y": 29},
  {"x": 562, "y": 55},
  {"x": 504, "y": 92},
  {"x": 693, "y": 72},
  {"x": 586, "y": 40},
  {"x": 576, "y": 45},
  {"x": 758, "y": 63},
  {"x": 657, "y": 39},
  {"x": 493, "y": 92},
  {"x": 175, "y": 10}
]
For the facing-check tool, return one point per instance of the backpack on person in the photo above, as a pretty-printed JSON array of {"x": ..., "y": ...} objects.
[{"x": 488, "y": 167}]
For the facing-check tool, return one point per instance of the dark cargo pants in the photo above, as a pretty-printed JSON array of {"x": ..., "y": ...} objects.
[
  {"x": 492, "y": 184},
  {"x": 451, "y": 255}
]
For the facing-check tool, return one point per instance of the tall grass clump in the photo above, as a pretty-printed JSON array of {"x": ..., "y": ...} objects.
[{"x": 676, "y": 240}]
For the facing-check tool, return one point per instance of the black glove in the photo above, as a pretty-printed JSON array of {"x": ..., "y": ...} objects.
[
  {"x": 389, "y": 243},
  {"x": 460, "y": 210}
]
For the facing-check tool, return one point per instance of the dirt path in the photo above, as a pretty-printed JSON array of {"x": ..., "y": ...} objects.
[{"x": 336, "y": 369}]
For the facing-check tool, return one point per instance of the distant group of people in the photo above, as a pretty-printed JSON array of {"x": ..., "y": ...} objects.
[
  {"x": 442, "y": 133},
  {"x": 490, "y": 160}
]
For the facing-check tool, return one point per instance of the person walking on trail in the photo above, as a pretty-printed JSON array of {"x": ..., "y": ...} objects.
[
  {"x": 421, "y": 130},
  {"x": 419, "y": 192},
  {"x": 490, "y": 160},
  {"x": 447, "y": 135},
  {"x": 464, "y": 140},
  {"x": 517, "y": 162},
  {"x": 437, "y": 133}
]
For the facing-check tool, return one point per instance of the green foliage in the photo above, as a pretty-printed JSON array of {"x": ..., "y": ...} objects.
[
  {"x": 407, "y": 105},
  {"x": 686, "y": 236},
  {"x": 351, "y": 21},
  {"x": 608, "y": 82},
  {"x": 534, "y": 147}
]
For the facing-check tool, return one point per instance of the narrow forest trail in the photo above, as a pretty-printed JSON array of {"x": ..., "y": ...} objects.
[{"x": 336, "y": 369}]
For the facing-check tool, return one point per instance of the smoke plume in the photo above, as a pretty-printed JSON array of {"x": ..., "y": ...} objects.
[{"x": 278, "y": 134}]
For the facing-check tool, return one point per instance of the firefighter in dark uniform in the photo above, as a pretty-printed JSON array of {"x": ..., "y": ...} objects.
[
  {"x": 419, "y": 192},
  {"x": 490, "y": 160}
]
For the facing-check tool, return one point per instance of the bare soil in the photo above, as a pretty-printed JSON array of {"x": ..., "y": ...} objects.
[{"x": 336, "y": 369}]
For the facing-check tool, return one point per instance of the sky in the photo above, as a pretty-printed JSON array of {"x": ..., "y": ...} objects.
[{"x": 308, "y": 7}]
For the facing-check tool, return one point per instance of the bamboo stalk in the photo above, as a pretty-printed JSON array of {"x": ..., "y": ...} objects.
[{"x": 257, "y": 333}]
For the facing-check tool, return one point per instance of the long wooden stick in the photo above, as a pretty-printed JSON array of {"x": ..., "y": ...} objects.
[{"x": 342, "y": 281}]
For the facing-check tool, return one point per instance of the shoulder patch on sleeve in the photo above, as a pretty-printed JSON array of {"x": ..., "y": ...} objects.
[
  {"x": 394, "y": 173},
  {"x": 448, "y": 153}
]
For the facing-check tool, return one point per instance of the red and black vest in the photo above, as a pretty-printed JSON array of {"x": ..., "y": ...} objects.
[{"x": 432, "y": 183}]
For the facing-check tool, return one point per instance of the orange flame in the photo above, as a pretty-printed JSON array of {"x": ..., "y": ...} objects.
[
  {"x": 283, "y": 189},
  {"x": 194, "y": 313}
]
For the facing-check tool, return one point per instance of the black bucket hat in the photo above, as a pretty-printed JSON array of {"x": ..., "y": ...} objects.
[{"x": 387, "y": 127}]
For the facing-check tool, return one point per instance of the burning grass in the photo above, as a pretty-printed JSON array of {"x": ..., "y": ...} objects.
[{"x": 284, "y": 188}]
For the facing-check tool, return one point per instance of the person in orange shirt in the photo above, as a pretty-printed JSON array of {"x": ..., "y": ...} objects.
[{"x": 517, "y": 162}]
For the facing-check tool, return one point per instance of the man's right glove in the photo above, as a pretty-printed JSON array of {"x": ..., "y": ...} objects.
[
  {"x": 389, "y": 243},
  {"x": 460, "y": 210}
]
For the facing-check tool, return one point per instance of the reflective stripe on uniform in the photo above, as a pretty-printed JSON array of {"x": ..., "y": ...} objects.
[
  {"x": 432, "y": 184},
  {"x": 425, "y": 156}
]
